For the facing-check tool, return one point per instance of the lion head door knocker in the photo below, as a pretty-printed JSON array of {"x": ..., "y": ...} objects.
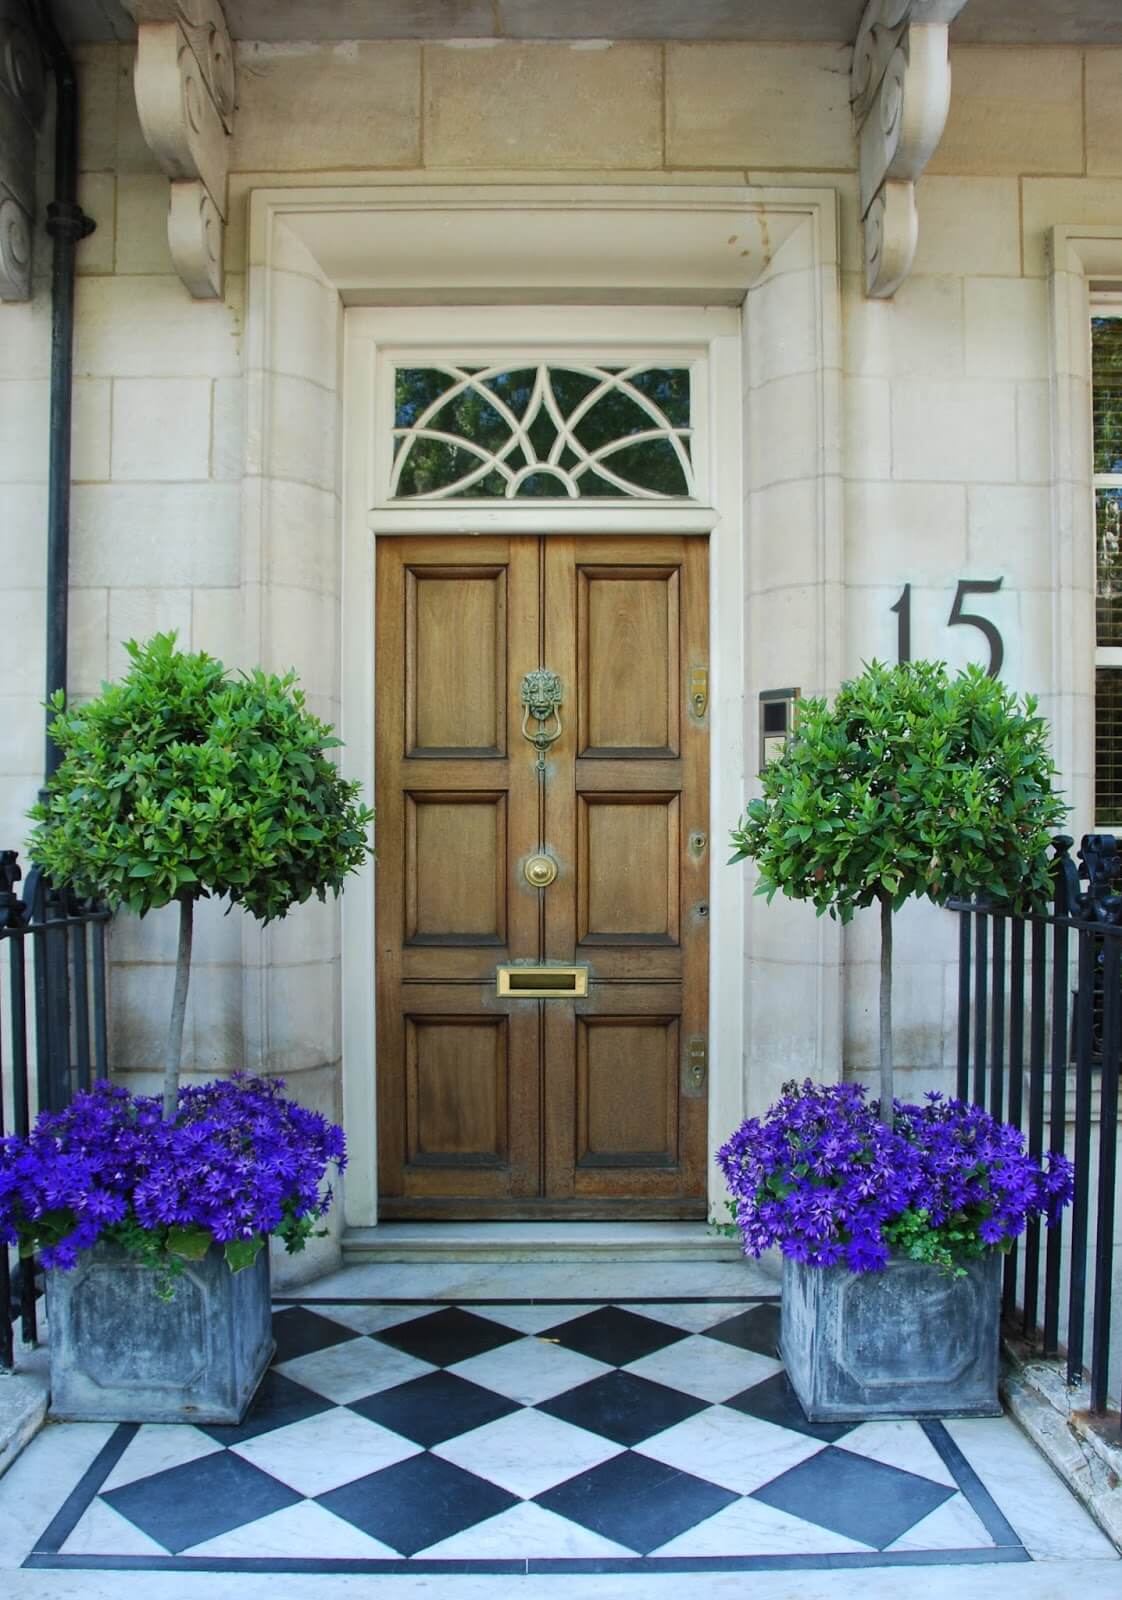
[{"x": 541, "y": 699}]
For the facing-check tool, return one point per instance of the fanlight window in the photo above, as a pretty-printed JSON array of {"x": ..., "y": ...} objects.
[{"x": 544, "y": 432}]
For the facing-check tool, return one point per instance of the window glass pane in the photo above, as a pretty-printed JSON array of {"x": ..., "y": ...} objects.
[
  {"x": 1108, "y": 552},
  {"x": 553, "y": 432},
  {"x": 1106, "y": 392},
  {"x": 1108, "y": 747}
]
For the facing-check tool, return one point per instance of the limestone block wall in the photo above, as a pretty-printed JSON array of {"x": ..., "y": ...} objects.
[{"x": 942, "y": 471}]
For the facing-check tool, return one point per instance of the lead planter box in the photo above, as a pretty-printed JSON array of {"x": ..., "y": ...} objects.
[
  {"x": 120, "y": 1354},
  {"x": 910, "y": 1341}
]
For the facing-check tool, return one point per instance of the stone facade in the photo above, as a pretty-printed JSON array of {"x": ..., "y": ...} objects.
[{"x": 944, "y": 470}]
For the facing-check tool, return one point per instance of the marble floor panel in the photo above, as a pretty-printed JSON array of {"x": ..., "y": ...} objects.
[{"x": 523, "y": 1436}]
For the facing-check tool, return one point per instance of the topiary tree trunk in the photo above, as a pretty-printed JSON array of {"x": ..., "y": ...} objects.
[
  {"x": 886, "y": 1064},
  {"x": 173, "y": 1054}
]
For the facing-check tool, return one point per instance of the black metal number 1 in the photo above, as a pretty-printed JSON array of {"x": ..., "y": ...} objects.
[{"x": 902, "y": 611}]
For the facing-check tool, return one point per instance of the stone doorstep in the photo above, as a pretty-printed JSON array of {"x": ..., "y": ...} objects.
[
  {"x": 1086, "y": 1454},
  {"x": 23, "y": 1403}
]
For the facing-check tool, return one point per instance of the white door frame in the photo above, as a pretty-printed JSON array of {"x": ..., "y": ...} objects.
[
  {"x": 769, "y": 257},
  {"x": 712, "y": 339}
]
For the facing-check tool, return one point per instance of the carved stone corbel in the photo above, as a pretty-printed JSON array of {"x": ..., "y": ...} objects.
[
  {"x": 900, "y": 92},
  {"x": 22, "y": 98},
  {"x": 185, "y": 91}
]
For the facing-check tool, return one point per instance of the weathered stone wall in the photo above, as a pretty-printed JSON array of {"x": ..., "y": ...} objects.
[{"x": 946, "y": 409}]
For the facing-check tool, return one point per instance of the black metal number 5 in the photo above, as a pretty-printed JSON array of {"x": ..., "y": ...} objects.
[{"x": 971, "y": 619}]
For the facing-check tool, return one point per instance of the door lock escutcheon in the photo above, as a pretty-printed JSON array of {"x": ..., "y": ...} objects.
[
  {"x": 699, "y": 691},
  {"x": 697, "y": 1064}
]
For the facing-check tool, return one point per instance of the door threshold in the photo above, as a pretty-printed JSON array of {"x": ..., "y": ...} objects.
[{"x": 538, "y": 1241}]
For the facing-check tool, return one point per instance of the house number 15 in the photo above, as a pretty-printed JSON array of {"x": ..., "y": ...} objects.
[{"x": 958, "y": 618}]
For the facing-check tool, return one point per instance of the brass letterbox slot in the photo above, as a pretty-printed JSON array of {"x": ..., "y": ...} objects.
[{"x": 541, "y": 983}]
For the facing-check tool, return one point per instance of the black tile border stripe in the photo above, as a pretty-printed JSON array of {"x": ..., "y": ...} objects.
[
  {"x": 85, "y": 1491},
  {"x": 532, "y": 1300},
  {"x": 46, "y": 1556},
  {"x": 534, "y": 1566},
  {"x": 983, "y": 1504}
]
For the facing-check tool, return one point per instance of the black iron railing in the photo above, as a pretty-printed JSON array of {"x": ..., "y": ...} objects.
[
  {"x": 1039, "y": 1044},
  {"x": 53, "y": 1029}
]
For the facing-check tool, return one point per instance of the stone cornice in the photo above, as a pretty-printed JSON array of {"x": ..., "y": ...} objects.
[
  {"x": 22, "y": 98},
  {"x": 185, "y": 98},
  {"x": 900, "y": 91}
]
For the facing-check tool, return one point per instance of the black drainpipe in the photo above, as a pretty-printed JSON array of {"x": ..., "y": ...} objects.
[{"x": 67, "y": 223}]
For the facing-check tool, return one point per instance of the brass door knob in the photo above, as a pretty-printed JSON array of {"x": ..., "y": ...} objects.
[{"x": 540, "y": 871}]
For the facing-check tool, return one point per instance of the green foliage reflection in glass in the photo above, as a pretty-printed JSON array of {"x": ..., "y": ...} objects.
[
  {"x": 1106, "y": 392},
  {"x": 542, "y": 432}
]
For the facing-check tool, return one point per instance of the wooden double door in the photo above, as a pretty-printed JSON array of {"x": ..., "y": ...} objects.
[{"x": 578, "y": 1105}]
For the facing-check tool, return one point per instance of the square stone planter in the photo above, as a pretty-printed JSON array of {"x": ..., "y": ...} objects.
[
  {"x": 907, "y": 1342},
  {"x": 120, "y": 1354}
]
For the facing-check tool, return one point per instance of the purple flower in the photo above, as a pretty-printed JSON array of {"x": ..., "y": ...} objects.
[
  {"x": 822, "y": 1178},
  {"x": 238, "y": 1160}
]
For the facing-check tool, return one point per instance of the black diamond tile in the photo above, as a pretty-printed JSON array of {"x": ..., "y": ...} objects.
[
  {"x": 200, "y": 1500},
  {"x": 756, "y": 1330},
  {"x": 436, "y": 1407},
  {"x": 774, "y": 1400},
  {"x": 277, "y": 1402},
  {"x": 611, "y": 1334},
  {"x": 447, "y": 1336},
  {"x": 636, "y": 1501},
  {"x": 417, "y": 1502},
  {"x": 623, "y": 1407},
  {"x": 300, "y": 1332},
  {"x": 851, "y": 1495}
]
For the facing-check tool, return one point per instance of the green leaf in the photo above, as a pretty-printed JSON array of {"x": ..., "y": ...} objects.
[
  {"x": 242, "y": 1253},
  {"x": 190, "y": 1243}
]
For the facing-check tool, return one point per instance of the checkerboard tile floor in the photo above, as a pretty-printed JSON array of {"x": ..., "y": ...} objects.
[{"x": 527, "y": 1436}]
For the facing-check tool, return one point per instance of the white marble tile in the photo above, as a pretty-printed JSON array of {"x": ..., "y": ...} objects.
[
  {"x": 952, "y": 1526},
  {"x": 729, "y": 1448},
  {"x": 371, "y": 1318},
  {"x": 322, "y": 1452},
  {"x": 530, "y": 1371},
  {"x": 705, "y": 1368},
  {"x": 40, "y": 1479},
  {"x": 696, "y": 1317},
  {"x": 155, "y": 1448},
  {"x": 1050, "y": 1521},
  {"x": 749, "y": 1528},
  {"x": 528, "y": 1452},
  {"x": 349, "y": 1371},
  {"x": 532, "y": 1319},
  {"x": 104, "y": 1532},
  {"x": 525, "y": 1531},
  {"x": 302, "y": 1530},
  {"x": 899, "y": 1444}
]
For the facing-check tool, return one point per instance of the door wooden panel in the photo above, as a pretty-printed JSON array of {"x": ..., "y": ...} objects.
[
  {"x": 456, "y": 880},
  {"x": 627, "y": 863},
  {"x": 627, "y": 646},
  {"x": 627, "y": 1091},
  {"x": 455, "y": 649},
  {"x": 570, "y": 1107}
]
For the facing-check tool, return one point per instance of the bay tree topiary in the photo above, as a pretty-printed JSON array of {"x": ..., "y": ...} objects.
[
  {"x": 184, "y": 781},
  {"x": 913, "y": 783}
]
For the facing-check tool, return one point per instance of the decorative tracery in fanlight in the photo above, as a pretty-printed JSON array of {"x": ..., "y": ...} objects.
[{"x": 544, "y": 431}]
